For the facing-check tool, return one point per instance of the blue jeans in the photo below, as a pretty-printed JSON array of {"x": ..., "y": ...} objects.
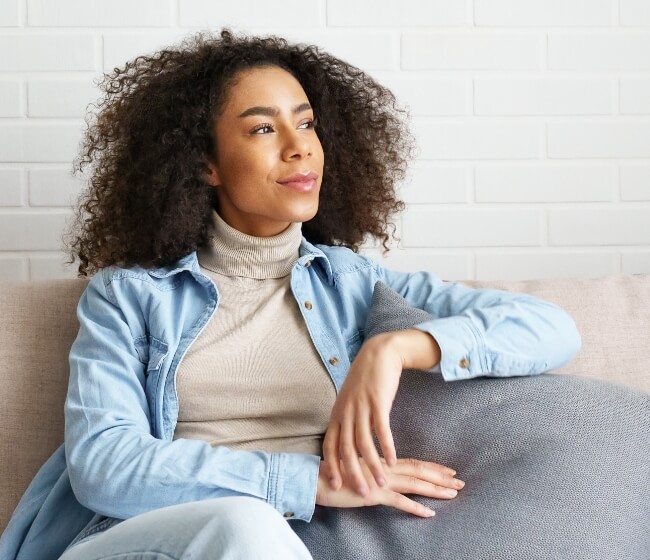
[{"x": 236, "y": 527}]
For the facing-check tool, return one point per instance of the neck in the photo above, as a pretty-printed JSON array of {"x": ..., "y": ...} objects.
[{"x": 233, "y": 253}]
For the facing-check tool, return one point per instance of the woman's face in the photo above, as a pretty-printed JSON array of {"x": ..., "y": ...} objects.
[{"x": 264, "y": 135}]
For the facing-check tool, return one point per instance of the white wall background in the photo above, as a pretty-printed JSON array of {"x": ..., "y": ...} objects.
[{"x": 532, "y": 118}]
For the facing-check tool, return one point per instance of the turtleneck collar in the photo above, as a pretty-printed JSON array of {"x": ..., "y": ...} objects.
[{"x": 233, "y": 253}]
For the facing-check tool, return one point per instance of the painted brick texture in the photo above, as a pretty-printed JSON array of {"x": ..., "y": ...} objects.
[{"x": 532, "y": 120}]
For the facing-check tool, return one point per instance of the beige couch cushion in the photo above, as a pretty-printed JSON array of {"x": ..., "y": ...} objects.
[
  {"x": 38, "y": 325},
  {"x": 613, "y": 316}
]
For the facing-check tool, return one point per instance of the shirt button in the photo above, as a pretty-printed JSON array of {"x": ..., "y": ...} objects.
[
  {"x": 307, "y": 264},
  {"x": 308, "y": 304},
  {"x": 334, "y": 360},
  {"x": 464, "y": 363},
  {"x": 288, "y": 513}
]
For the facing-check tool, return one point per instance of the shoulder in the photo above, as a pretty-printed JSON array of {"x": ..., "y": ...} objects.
[
  {"x": 136, "y": 281},
  {"x": 344, "y": 261}
]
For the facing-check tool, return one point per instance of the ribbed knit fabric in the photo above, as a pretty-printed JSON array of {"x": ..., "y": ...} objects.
[{"x": 253, "y": 379}]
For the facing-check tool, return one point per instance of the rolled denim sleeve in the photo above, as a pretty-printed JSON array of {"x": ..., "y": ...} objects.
[
  {"x": 488, "y": 332},
  {"x": 119, "y": 468},
  {"x": 293, "y": 484}
]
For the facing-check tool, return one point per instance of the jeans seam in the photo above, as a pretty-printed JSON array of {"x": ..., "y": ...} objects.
[
  {"x": 128, "y": 554},
  {"x": 101, "y": 526}
]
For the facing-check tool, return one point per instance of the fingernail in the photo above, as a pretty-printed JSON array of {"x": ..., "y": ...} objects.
[
  {"x": 430, "y": 512},
  {"x": 450, "y": 492},
  {"x": 452, "y": 472},
  {"x": 362, "y": 490},
  {"x": 381, "y": 481},
  {"x": 459, "y": 483}
]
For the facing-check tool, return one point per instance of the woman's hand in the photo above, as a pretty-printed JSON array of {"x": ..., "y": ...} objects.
[
  {"x": 408, "y": 476},
  {"x": 365, "y": 401}
]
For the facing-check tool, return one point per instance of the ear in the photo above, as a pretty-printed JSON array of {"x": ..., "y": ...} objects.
[{"x": 211, "y": 173}]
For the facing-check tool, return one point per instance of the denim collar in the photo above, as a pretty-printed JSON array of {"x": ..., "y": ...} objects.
[{"x": 190, "y": 262}]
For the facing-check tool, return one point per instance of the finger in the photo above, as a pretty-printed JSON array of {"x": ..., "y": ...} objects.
[
  {"x": 425, "y": 470},
  {"x": 366, "y": 445},
  {"x": 331, "y": 454},
  {"x": 399, "y": 501},
  {"x": 413, "y": 485},
  {"x": 351, "y": 464},
  {"x": 429, "y": 464},
  {"x": 385, "y": 437}
]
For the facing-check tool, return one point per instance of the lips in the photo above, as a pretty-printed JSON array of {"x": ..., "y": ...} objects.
[
  {"x": 299, "y": 178},
  {"x": 301, "y": 182}
]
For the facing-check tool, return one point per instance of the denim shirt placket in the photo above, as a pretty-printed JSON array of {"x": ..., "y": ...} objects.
[{"x": 169, "y": 409}]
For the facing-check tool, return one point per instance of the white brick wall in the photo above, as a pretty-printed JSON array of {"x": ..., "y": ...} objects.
[
  {"x": 47, "y": 97},
  {"x": 100, "y": 13},
  {"x": 474, "y": 49},
  {"x": 532, "y": 119},
  {"x": 635, "y": 95},
  {"x": 535, "y": 13},
  {"x": 635, "y": 182},
  {"x": 36, "y": 50},
  {"x": 407, "y": 13},
  {"x": 9, "y": 10},
  {"x": 545, "y": 183},
  {"x": 250, "y": 13},
  {"x": 615, "y": 50},
  {"x": 34, "y": 142},
  {"x": 543, "y": 97},
  {"x": 582, "y": 139},
  {"x": 11, "y": 187},
  {"x": 635, "y": 12},
  {"x": 11, "y": 95},
  {"x": 497, "y": 140}
]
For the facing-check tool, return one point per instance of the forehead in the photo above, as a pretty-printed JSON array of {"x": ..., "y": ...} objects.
[{"x": 266, "y": 85}]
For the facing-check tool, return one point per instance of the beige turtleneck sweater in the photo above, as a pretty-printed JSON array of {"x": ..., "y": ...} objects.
[{"x": 253, "y": 379}]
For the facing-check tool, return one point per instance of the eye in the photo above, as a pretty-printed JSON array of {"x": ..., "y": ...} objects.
[
  {"x": 265, "y": 128},
  {"x": 262, "y": 127},
  {"x": 310, "y": 124}
]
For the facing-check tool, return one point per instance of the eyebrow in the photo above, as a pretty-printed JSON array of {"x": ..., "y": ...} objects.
[{"x": 272, "y": 111}]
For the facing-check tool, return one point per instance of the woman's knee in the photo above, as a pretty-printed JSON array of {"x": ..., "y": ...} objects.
[
  {"x": 251, "y": 527},
  {"x": 241, "y": 513},
  {"x": 227, "y": 528}
]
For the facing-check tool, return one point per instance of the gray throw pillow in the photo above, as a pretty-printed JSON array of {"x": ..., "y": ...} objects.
[{"x": 555, "y": 466}]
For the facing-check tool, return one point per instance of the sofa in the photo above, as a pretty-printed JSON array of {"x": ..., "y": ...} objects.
[{"x": 38, "y": 325}]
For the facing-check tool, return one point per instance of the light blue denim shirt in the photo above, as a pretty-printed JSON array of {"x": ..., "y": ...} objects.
[{"x": 119, "y": 459}]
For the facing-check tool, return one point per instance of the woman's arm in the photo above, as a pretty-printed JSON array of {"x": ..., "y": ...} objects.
[
  {"x": 473, "y": 333},
  {"x": 418, "y": 349},
  {"x": 119, "y": 469},
  {"x": 487, "y": 332}
]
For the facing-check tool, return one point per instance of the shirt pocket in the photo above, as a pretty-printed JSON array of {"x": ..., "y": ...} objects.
[
  {"x": 353, "y": 344},
  {"x": 152, "y": 352}
]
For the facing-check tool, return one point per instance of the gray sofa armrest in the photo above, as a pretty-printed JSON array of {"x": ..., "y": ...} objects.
[{"x": 556, "y": 466}]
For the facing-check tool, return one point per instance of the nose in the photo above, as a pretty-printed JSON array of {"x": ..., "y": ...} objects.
[{"x": 296, "y": 145}]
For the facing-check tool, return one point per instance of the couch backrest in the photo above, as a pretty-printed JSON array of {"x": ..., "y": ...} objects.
[
  {"x": 38, "y": 324},
  {"x": 613, "y": 316}
]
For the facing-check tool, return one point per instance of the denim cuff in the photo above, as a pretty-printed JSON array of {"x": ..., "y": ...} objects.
[
  {"x": 461, "y": 347},
  {"x": 293, "y": 481}
]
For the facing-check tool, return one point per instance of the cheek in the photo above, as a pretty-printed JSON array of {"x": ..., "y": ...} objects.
[
  {"x": 318, "y": 151},
  {"x": 242, "y": 168},
  {"x": 254, "y": 161}
]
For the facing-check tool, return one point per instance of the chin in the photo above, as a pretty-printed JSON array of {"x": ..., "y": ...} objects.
[{"x": 305, "y": 214}]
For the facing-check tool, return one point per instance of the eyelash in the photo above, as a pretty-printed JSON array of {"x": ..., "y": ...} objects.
[{"x": 312, "y": 124}]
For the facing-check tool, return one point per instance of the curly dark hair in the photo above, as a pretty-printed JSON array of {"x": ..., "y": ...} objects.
[{"x": 147, "y": 202}]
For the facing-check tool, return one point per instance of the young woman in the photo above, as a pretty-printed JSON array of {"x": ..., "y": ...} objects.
[{"x": 220, "y": 382}]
